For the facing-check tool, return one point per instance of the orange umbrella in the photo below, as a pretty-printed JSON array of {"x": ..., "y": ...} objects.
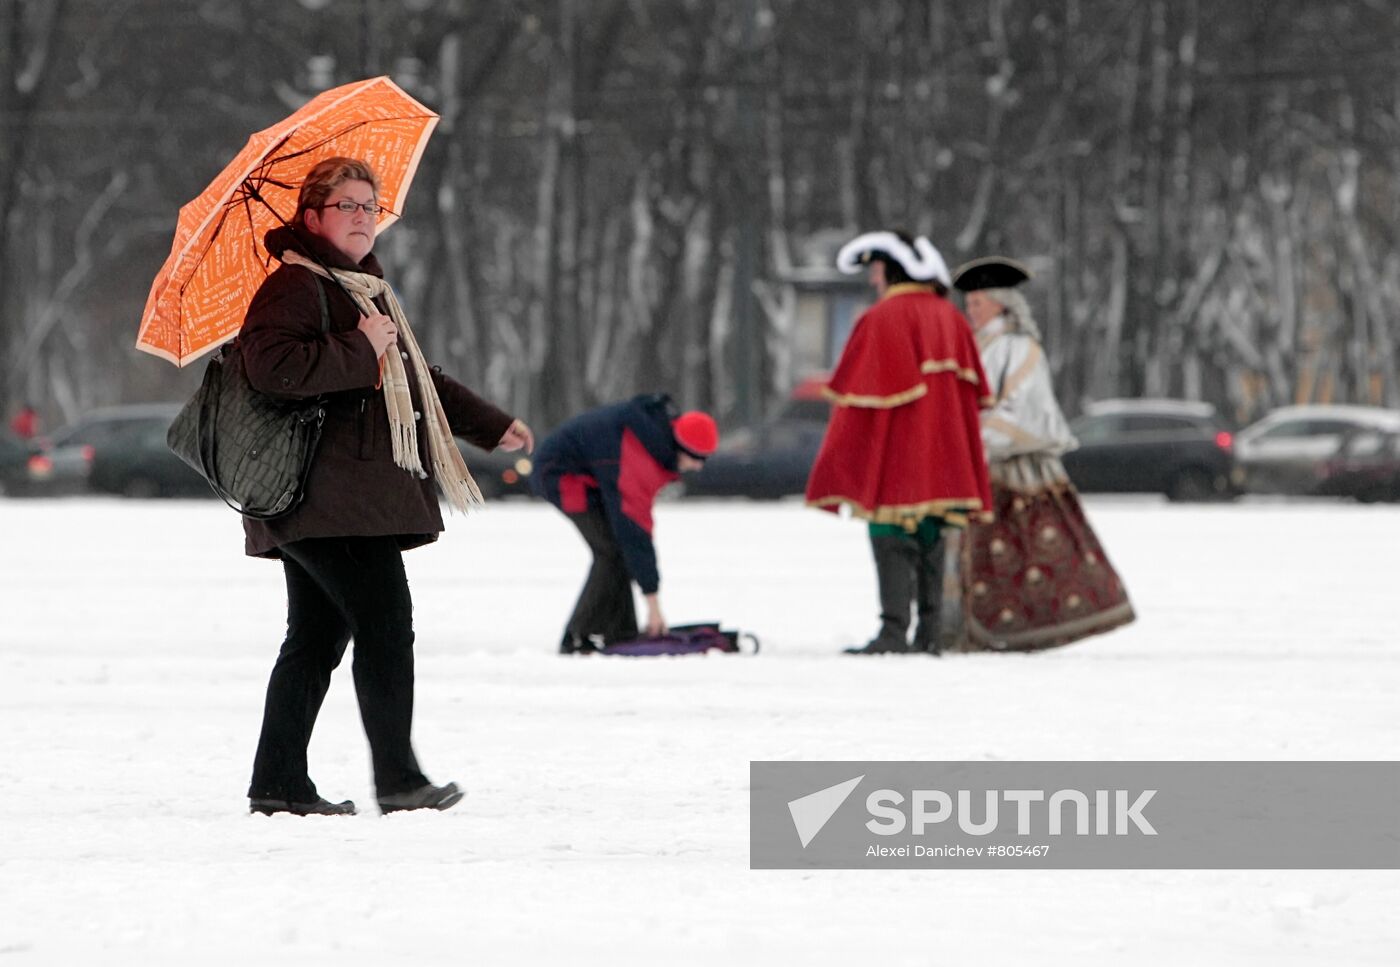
[{"x": 218, "y": 261}]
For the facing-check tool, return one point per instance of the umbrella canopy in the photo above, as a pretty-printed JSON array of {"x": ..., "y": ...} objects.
[{"x": 218, "y": 261}]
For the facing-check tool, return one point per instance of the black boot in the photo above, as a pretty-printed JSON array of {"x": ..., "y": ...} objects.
[
  {"x": 928, "y": 634},
  {"x": 895, "y": 560}
]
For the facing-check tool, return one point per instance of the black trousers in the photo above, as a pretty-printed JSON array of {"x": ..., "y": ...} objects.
[
  {"x": 605, "y": 606},
  {"x": 338, "y": 589}
]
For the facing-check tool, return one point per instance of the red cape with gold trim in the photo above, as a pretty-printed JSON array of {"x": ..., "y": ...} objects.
[{"x": 904, "y": 440}]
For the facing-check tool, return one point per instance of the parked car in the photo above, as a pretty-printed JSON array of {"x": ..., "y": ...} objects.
[
  {"x": 67, "y": 455},
  {"x": 122, "y": 450},
  {"x": 1287, "y": 451},
  {"x": 1366, "y": 466},
  {"x": 136, "y": 462},
  {"x": 765, "y": 462},
  {"x": 1179, "y": 448},
  {"x": 16, "y": 457},
  {"x": 498, "y": 473}
]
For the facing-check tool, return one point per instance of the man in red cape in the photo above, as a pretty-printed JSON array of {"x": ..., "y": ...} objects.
[{"x": 904, "y": 446}]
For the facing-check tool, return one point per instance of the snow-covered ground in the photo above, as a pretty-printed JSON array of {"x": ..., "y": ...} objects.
[{"x": 607, "y": 820}]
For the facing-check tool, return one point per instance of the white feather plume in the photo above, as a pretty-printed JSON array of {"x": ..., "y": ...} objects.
[{"x": 922, "y": 261}]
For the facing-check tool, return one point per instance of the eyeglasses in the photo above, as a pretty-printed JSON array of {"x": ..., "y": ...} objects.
[{"x": 348, "y": 207}]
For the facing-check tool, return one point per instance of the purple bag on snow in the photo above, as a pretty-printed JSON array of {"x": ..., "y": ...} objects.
[{"x": 684, "y": 640}]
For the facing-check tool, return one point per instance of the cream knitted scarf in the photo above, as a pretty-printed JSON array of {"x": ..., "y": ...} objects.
[{"x": 448, "y": 467}]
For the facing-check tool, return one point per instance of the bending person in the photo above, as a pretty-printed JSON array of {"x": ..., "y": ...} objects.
[{"x": 603, "y": 469}]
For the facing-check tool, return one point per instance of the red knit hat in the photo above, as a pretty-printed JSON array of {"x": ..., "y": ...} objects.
[{"x": 696, "y": 433}]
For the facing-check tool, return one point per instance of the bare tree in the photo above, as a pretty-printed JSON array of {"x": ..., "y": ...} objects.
[{"x": 1209, "y": 190}]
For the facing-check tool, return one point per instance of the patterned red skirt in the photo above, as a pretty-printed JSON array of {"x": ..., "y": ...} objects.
[{"x": 1036, "y": 576}]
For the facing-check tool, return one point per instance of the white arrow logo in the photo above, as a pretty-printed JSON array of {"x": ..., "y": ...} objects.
[{"x": 810, "y": 813}]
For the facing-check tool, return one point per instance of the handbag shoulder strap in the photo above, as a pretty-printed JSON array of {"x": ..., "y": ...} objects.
[{"x": 321, "y": 299}]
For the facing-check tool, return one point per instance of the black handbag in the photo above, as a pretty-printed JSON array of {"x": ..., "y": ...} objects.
[{"x": 254, "y": 450}]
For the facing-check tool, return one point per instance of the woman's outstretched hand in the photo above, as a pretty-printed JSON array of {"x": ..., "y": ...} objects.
[{"x": 517, "y": 436}]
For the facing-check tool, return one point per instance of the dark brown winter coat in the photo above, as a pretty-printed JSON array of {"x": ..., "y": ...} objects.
[{"x": 354, "y": 488}]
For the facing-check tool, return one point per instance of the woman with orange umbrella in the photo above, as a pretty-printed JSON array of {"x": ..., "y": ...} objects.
[{"x": 325, "y": 324}]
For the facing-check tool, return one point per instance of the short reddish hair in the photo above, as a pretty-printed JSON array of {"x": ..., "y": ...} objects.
[{"x": 326, "y": 177}]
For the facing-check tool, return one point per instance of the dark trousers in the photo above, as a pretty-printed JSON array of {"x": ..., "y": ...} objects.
[
  {"x": 605, "y": 606},
  {"x": 338, "y": 589}
]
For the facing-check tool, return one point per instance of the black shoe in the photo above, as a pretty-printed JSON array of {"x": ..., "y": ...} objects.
[
  {"x": 576, "y": 646},
  {"x": 424, "y": 797},
  {"x": 889, "y": 641},
  {"x": 931, "y": 644},
  {"x": 320, "y": 807},
  {"x": 878, "y": 647}
]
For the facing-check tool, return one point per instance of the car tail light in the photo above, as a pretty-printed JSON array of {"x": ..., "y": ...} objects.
[
  {"x": 1224, "y": 440},
  {"x": 88, "y": 452},
  {"x": 509, "y": 476},
  {"x": 40, "y": 467}
]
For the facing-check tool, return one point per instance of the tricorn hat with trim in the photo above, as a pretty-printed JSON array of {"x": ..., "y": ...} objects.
[
  {"x": 919, "y": 259},
  {"x": 991, "y": 272}
]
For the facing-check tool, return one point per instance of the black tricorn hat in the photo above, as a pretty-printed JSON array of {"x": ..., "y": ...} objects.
[{"x": 992, "y": 272}]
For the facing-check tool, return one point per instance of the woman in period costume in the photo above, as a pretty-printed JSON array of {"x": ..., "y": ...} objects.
[
  {"x": 1035, "y": 576},
  {"x": 903, "y": 449}
]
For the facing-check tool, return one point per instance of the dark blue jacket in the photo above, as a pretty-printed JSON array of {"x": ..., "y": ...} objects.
[{"x": 617, "y": 458}]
